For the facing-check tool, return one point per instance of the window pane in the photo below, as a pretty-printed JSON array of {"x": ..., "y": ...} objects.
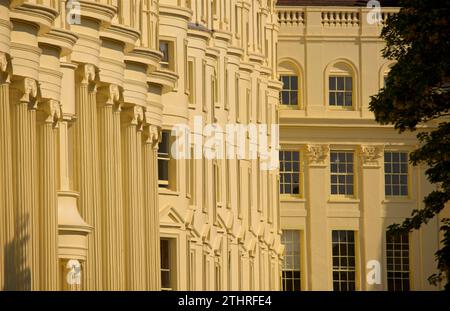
[
  {"x": 294, "y": 83},
  {"x": 340, "y": 84},
  {"x": 332, "y": 81},
  {"x": 348, "y": 84}
]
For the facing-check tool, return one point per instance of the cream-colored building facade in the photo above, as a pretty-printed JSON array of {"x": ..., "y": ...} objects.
[
  {"x": 344, "y": 178},
  {"x": 89, "y": 197}
]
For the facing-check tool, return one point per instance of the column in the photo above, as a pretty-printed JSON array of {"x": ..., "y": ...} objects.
[
  {"x": 317, "y": 192},
  {"x": 371, "y": 213},
  {"x": 85, "y": 169},
  {"x": 151, "y": 207},
  {"x": 48, "y": 115},
  {"x": 107, "y": 98},
  {"x": 117, "y": 160},
  {"x": 23, "y": 96},
  {"x": 134, "y": 236},
  {"x": 6, "y": 190}
]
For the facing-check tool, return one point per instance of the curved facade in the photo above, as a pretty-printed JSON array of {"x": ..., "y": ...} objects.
[{"x": 87, "y": 91}]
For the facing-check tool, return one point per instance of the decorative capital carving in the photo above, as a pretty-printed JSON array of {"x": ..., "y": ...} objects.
[
  {"x": 134, "y": 116},
  {"x": 370, "y": 154},
  {"x": 317, "y": 154},
  {"x": 109, "y": 95},
  {"x": 51, "y": 111},
  {"x": 3, "y": 62},
  {"x": 86, "y": 73},
  {"x": 28, "y": 90}
]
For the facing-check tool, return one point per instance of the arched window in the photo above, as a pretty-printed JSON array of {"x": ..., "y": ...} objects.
[
  {"x": 290, "y": 95},
  {"x": 341, "y": 86}
]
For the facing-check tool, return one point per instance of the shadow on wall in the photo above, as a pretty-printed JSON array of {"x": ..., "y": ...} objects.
[{"x": 17, "y": 272}]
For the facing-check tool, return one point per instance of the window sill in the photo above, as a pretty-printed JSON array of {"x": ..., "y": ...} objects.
[
  {"x": 397, "y": 200},
  {"x": 343, "y": 200},
  {"x": 292, "y": 199},
  {"x": 289, "y": 107},
  {"x": 341, "y": 108},
  {"x": 169, "y": 192}
]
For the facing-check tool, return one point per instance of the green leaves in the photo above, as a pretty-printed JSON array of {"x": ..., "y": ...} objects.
[{"x": 417, "y": 94}]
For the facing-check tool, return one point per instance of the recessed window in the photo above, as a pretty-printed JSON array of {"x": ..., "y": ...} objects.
[
  {"x": 164, "y": 47},
  {"x": 344, "y": 271},
  {"x": 166, "y": 164},
  {"x": 290, "y": 172},
  {"x": 340, "y": 91},
  {"x": 168, "y": 264},
  {"x": 342, "y": 173},
  {"x": 397, "y": 258},
  {"x": 396, "y": 173},
  {"x": 289, "y": 93},
  {"x": 291, "y": 273}
]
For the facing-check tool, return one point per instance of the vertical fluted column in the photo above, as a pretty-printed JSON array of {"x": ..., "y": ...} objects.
[
  {"x": 151, "y": 208},
  {"x": 48, "y": 115},
  {"x": 119, "y": 224},
  {"x": 85, "y": 178},
  {"x": 6, "y": 190},
  {"x": 96, "y": 199},
  {"x": 134, "y": 236},
  {"x": 107, "y": 97},
  {"x": 23, "y": 96}
]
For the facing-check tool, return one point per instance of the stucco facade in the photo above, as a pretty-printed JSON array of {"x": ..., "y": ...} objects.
[
  {"x": 90, "y": 197},
  {"x": 322, "y": 46},
  {"x": 85, "y": 100}
]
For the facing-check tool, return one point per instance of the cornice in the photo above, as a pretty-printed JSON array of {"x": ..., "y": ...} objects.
[
  {"x": 146, "y": 56},
  {"x": 98, "y": 11},
  {"x": 166, "y": 78},
  {"x": 175, "y": 11},
  {"x": 123, "y": 34},
  {"x": 61, "y": 38},
  {"x": 40, "y": 15}
]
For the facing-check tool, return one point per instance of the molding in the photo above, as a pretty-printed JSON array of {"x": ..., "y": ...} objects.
[
  {"x": 370, "y": 155},
  {"x": 317, "y": 154}
]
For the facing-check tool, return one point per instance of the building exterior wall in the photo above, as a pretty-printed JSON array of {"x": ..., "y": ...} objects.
[
  {"x": 84, "y": 100},
  {"x": 315, "y": 43}
]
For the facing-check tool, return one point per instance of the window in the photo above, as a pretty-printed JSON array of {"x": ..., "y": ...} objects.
[
  {"x": 291, "y": 276},
  {"x": 342, "y": 173},
  {"x": 192, "y": 270},
  {"x": 218, "y": 276},
  {"x": 190, "y": 82},
  {"x": 396, "y": 173},
  {"x": 165, "y": 47},
  {"x": 168, "y": 263},
  {"x": 344, "y": 271},
  {"x": 164, "y": 160},
  {"x": 236, "y": 88},
  {"x": 289, "y": 93},
  {"x": 290, "y": 172},
  {"x": 397, "y": 257},
  {"x": 340, "y": 91}
]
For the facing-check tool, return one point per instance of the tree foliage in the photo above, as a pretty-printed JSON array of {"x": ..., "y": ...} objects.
[{"x": 416, "y": 98}]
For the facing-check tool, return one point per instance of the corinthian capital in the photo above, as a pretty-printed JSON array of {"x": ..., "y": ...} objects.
[
  {"x": 317, "y": 154},
  {"x": 370, "y": 154}
]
